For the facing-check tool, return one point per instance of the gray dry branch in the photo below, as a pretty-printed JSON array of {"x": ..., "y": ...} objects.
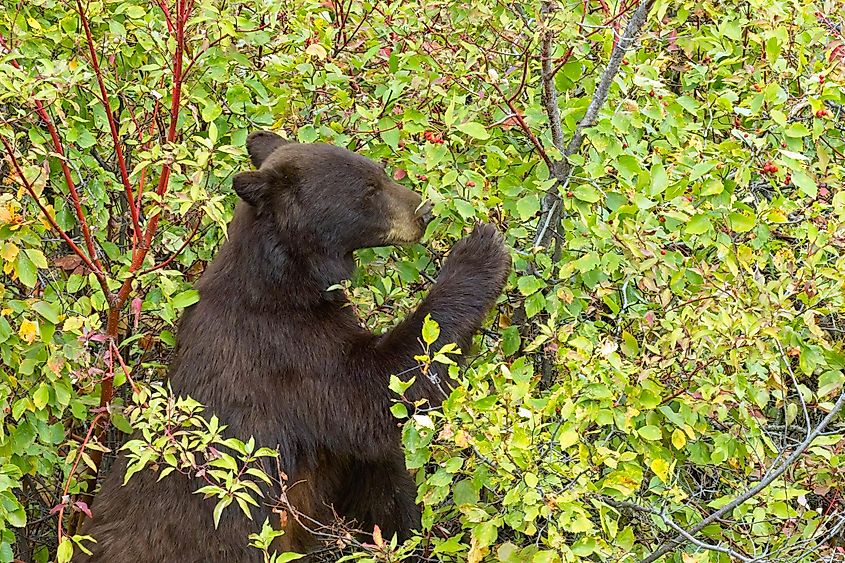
[
  {"x": 562, "y": 170},
  {"x": 772, "y": 474}
]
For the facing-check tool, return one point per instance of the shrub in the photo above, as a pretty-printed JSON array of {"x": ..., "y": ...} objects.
[{"x": 672, "y": 335}]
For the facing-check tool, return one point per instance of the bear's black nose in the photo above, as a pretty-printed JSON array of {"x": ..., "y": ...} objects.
[{"x": 424, "y": 212}]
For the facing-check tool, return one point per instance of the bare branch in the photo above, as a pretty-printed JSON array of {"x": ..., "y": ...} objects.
[
  {"x": 753, "y": 491},
  {"x": 548, "y": 76},
  {"x": 672, "y": 524},
  {"x": 551, "y": 207}
]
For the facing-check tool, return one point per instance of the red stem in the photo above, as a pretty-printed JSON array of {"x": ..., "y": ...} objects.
[
  {"x": 119, "y": 300},
  {"x": 115, "y": 134},
  {"x": 71, "y": 186},
  {"x": 167, "y": 17},
  {"x": 82, "y": 447},
  {"x": 73, "y": 246},
  {"x": 174, "y": 118},
  {"x": 175, "y": 254},
  {"x": 524, "y": 126},
  {"x": 116, "y": 353}
]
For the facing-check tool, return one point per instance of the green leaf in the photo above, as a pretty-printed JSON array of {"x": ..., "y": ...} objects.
[
  {"x": 527, "y": 206},
  {"x": 65, "y": 550},
  {"x": 121, "y": 423},
  {"x": 49, "y": 311},
  {"x": 650, "y": 433},
  {"x": 389, "y": 132},
  {"x": 185, "y": 299},
  {"x": 27, "y": 272},
  {"x": 474, "y": 130},
  {"x": 805, "y": 183},
  {"x": 586, "y": 192},
  {"x": 218, "y": 509},
  {"x": 37, "y": 257},
  {"x": 630, "y": 347},
  {"x": 659, "y": 180},
  {"x": 485, "y": 533},
  {"x": 135, "y": 12},
  {"x": 464, "y": 208},
  {"x": 530, "y": 284},
  {"x": 17, "y": 518},
  {"x": 210, "y": 111},
  {"x": 510, "y": 340},
  {"x": 796, "y": 130},
  {"x": 41, "y": 396},
  {"x": 698, "y": 225},
  {"x": 535, "y": 303},
  {"x": 741, "y": 223},
  {"x": 430, "y": 330},
  {"x": 399, "y": 410}
]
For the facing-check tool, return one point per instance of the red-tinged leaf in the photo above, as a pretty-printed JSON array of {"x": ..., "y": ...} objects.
[
  {"x": 136, "y": 311},
  {"x": 377, "y": 539},
  {"x": 57, "y": 508},
  {"x": 69, "y": 262},
  {"x": 399, "y": 174},
  {"x": 837, "y": 51},
  {"x": 83, "y": 507}
]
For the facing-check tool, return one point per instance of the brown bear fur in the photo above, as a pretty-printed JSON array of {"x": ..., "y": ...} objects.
[{"x": 276, "y": 356}]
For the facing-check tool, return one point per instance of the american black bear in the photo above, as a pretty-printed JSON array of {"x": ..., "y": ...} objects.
[{"x": 276, "y": 355}]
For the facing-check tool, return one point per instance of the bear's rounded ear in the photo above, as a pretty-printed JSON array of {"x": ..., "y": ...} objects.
[
  {"x": 261, "y": 144},
  {"x": 250, "y": 186}
]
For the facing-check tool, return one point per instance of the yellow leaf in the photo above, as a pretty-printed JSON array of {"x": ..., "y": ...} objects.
[
  {"x": 28, "y": 331},
  {"x": 476, "y": 553},
  {"x": 73, "y": 324},
  {"x": 777, "y": 216},
  {"x": 461, "y": 439},
  {"x": 44, "y": 221},
  {"x": 568, "y": 438},
  {"x": 6, "y": 214},
  {"x": 661, "y": 468},
  {"x": 317, "y": 50},
  {"x": 679, "y": 439},
  {"x": 10, "y": 251}
]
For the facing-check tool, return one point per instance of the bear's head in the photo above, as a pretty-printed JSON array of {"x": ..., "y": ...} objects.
[{"x": 343, "y": 199}]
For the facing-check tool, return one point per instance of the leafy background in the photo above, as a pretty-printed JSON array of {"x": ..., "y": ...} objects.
[{"x": 672, "y": 338}]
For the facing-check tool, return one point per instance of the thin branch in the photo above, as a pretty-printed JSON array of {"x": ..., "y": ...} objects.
[
  {"x": 79, "y": 454},
  {"x": 523, "y": 125},
  {"x": 115, "y": 134},
  {"x": 785, "y": 361},
  {"x": 632, "y": 32},
  {"x": 184, "y": 8},
  {"x": 671, "y": 523},
  {"x": 50, "y": 219},
  {"x": 755, "y": 490},
  {"x": 173, "y": 256},
  {"x": 71, "y": 185},
  {"x": 548, "y": 77}
]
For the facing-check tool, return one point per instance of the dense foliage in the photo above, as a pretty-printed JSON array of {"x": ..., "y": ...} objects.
[{"x": 670, "y": 338}]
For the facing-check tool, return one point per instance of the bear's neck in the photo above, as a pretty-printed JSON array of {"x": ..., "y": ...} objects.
[{"x": 288, "y": 272}]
